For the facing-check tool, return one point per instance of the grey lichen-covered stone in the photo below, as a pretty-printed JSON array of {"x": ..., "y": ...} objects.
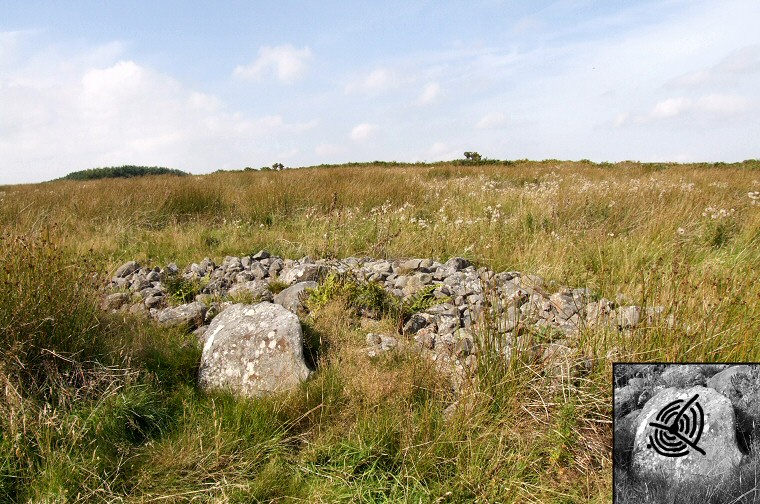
[
  {"x": 741, "y": 385},
  {"x": 683, "y": 375},
  {"x": 191, "y": 315},
  {"x": 126, "y": 269},
  {"x": 416, "y": 283},
  {"x": 292, "y": 297},
  {"x": 253, "y": 350},
  {"x": 259, "y": 289},
  {"x": 625, "y": 400},
  {"x": 718, "y": 453},
  {"x": 116, "y": 300},
  {"x": 624, "y": 428},
  {"x": 301, "y": 273},
  {"x": 628, "y": 316}
]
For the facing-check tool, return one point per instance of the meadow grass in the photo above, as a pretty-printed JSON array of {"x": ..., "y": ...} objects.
[{"x": 101, "y": 408}]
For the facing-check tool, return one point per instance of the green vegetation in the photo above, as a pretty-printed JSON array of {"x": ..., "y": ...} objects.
[
  {"x": 370, "y": 298},
  {"x": 126, "y": 171},
  {"x": 101, "y": 408}
]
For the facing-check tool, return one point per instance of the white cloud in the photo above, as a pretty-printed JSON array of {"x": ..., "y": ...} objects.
[
  {"x": 377, "y": 81},
  {"x": 716, "y": 104},
  {"x": 363, "y": 131},
  {"x": 670, "y": 108},
  {"x": 430, "y": 94},
  {"x": 59, "y": 118},
  {"x": 491, "y": 120},
  {"x": 285, "y": 61}
]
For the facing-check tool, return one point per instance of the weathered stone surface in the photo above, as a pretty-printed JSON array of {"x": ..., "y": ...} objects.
[
  {"x": 154, "y": 301},
  {"x": 257, "y": 288},
  {"x": 457, "y": 263},
  {"x": 624, "y": 437},
  {"x": 380, "y": 343},
  {"x": 628, "y": 316},
  {"x": 301, "y": 273},
  {"x": 126, "y": 269},
  {"x": 261, "y": 254},
  {"x": 116, "y": 300},
  {"x": 416, "y": 283},
  {"x": 291, "y": 298},
  {"x": 683, "y": 376},
  {"x": 415, "y": 323},
  {"x": 717, "y": 454},
  {"x": 723, "y": 381},
  {"x": 253, "y": 350},
  {"x": 625, "y": 400},
  {"x": 191, "y": 315},
  {"x": 741, "y": 385}
]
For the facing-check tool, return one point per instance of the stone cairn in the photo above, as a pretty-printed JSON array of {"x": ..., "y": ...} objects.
[{"x": 447, "y": 332}]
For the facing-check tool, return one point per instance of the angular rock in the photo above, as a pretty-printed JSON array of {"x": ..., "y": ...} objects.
[
  {"x": 301, "y": 273},
  {"x": 415, "y": 323},
  {"x": 670, "y": 444},
  {"x": 416, "y": 283},
  {"x": 126, "y": 269},
  {"x": 741, "y": 385},
  {"x": 257, "y": 288},
  {"x": 116, "y": 300},
  {"x": 425, "y": 338},
  {"x": 261, "y": 254},
  {"x": 253, "y": 350},
  {"x": 191, "y": 315},
  {"x": 625, "y": 400},
  {"x": 565, "y": 304},
  {"x": 457, "y": 263},
  {"x": 683, "y": 376},
  {"x": 628, "y": 317},
  {"x": 154, "y": 301},
  {"x": 292, "y": 297}
]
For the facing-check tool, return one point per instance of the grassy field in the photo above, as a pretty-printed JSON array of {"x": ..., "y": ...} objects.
[{"x": 100, "y": 408}]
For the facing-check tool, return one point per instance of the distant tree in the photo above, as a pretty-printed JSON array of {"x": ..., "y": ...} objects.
[
  {"x": 278, "y": 166},
  {"x": 472, "y": 156}
]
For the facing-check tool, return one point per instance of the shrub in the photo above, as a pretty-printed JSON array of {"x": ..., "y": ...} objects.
[{"x": 181, "y": 289}]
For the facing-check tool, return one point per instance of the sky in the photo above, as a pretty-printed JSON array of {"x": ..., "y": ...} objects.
[{"x": 203, "y": 86}]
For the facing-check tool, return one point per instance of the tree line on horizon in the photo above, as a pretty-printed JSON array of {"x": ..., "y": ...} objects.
[{"x": 126, "y": 171}]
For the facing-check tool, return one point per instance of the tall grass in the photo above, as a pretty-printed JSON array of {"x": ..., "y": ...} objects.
[{"x": 104, "y": 409}]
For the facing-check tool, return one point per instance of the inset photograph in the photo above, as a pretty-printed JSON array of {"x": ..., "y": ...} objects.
[{"x": 686, "y": 433}]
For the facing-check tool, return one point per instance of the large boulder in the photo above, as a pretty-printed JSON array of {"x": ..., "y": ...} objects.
[
  {"x": 253, "y": 350},
  {"x": 686, "y": 435}
]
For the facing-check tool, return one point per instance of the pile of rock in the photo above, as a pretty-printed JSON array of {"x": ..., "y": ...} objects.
[
  {"x": 516, "y": 303},
  {"x": 517, "y": 300}
]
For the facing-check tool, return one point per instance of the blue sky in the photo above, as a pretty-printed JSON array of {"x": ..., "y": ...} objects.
[{"x": 202, "y": 86}]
